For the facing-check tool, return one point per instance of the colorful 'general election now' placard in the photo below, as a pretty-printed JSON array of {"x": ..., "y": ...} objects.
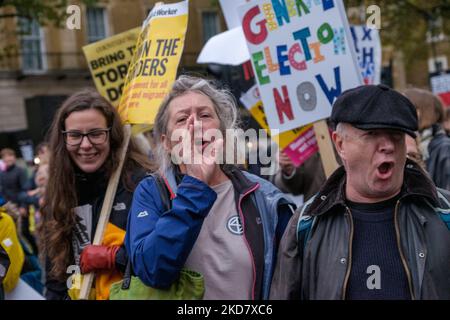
[
  {"x": 303, "y": 57},
  {"x": 299, "y": 144}
]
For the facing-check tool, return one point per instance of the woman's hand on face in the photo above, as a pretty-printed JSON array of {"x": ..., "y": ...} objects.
[{"x": 202, "y": 164}]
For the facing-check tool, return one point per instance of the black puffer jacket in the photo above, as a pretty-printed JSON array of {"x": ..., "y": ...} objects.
[
  {"x": 322, "y": 271},
  {"x": 14, "y": 183}
]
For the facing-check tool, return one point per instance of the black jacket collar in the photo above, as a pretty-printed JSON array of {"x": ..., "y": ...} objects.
[
  {"x": 240, "y": 182},
  {"x": 332, "y": 194}
]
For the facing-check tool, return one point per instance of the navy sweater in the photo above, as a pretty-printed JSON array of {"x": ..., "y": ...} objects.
[{"x": 377, "y": 271}]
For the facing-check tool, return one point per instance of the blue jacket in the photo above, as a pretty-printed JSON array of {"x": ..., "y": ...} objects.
[{"x": 159, "y": 241}]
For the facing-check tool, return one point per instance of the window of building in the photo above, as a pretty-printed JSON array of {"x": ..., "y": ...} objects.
[
  {"x": 211, "y": 25},
  {"x": 96, "y": 24},
  {"x": 435, "y": 27},
  {"x": 437, "y": 64},
  {"x": 32, "y": 45}
]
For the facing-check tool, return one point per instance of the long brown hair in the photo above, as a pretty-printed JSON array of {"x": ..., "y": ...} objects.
[
  {"x": 429, "y": 107},
  {"x": 61, "y": 195}
]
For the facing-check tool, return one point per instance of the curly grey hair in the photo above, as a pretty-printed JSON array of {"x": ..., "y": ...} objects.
[{"x": 224, "y": 105}]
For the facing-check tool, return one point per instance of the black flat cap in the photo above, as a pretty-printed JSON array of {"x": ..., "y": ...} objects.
[{"x": 375, "y": 107}]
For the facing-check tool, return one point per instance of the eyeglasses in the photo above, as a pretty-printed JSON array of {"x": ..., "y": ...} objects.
[{"x": 95, "y": 137}]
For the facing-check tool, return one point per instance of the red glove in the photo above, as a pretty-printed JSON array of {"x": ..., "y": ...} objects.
[{"x": 98, "y": 258}]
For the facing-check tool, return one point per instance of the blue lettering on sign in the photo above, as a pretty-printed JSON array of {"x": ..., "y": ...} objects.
[
  {"x": 355, "y": 38},
  {"x": 367, "y": 55},
  {"x": 281, "y": 11},
  {"x": 302, "y": 35},
  {"x": 367, "y": 32},
  {"x": 282, "y": 58},
  {"x": 331, "y": 93},
  {"x": 328, "y": 4}
]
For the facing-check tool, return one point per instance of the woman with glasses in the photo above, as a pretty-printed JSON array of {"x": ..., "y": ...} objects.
[{"x": 85, "y": 141}]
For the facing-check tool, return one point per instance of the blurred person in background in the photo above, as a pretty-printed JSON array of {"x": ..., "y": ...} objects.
[
  {"x": 446, "y": 122},
  {"x": 305, "y": 179},
  {"x": 413, "y": 151},
  {"x": 14, "y": 185},
  {"x": 434, "y": 142},
  {"x": 11, "y": 253},
  {"x": 39, "y": 179}
]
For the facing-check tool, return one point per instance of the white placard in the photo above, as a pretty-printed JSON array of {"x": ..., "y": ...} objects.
[
  {"x": 303, "y": 58},
  {"x": 368, "y": 50},
  {"x": 229, "y": 12}
]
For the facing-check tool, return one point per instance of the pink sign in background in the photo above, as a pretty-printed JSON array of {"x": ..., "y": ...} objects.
[{"x": 302, "y": 148}]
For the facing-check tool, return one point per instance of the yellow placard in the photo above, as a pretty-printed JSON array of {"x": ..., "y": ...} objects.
[
  {"x": 154, "y": 66},
  {"x": 108, "y": 62}
]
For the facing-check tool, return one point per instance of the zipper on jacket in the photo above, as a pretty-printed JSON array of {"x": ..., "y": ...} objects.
[
  {"x": 349, "y": 262},
  {"x": 245, "y": 237},
  {"x": 402, "y": 257}
]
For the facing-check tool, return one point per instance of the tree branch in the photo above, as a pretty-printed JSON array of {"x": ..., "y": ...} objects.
[
  {"x": 420, "y": 11},
  {"x": 14, "y": 15}
]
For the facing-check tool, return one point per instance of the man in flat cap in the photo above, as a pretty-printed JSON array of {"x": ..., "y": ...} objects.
[{"x": 378, "y": 228}]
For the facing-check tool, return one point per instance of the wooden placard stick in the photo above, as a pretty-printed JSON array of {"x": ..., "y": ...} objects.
[
  {"x": 88, "y": 279},
  {"x": 327, "y": 155}
]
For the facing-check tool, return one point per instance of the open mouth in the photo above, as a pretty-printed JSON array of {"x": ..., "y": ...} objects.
[
  {"x": 205, "y": 144},
  {"x": 208, "y": 141},
  {"x": 385, "y": 168}
]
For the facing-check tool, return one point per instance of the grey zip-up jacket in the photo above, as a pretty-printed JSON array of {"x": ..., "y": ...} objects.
[{"x": 320, "y": 269}]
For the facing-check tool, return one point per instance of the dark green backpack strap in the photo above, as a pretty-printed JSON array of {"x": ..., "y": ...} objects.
[
  {"x": 304, "y": 226},
  {"x": 303, "y": 232},
  {"x": 446, "y": 218}
]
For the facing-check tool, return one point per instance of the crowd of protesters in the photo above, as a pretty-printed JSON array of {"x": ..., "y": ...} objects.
[{"x": 377, "y": 228}]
